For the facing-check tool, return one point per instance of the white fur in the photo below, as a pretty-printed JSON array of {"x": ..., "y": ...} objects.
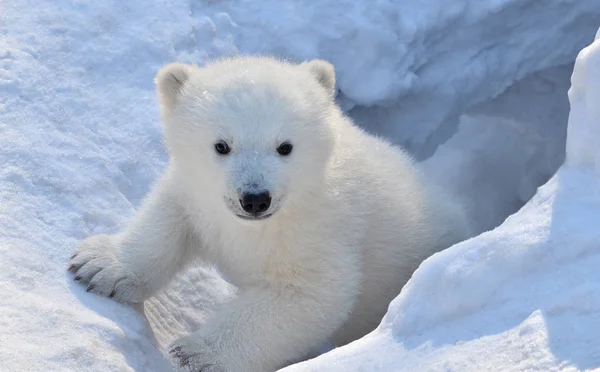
[{"x": 352, "y": 217}]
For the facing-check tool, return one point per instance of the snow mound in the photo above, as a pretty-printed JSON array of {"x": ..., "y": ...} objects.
[
  {"x": 525, "y": 296},
  {"x": 583, "y": 137},
  {"x": 406, "y": 69}
]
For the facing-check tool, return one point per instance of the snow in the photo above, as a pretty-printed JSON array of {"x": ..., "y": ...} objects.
[
  {"x": 524, "y": 296},
  {"x": 80, "y": 145},
  {"x": 502, "y": 152}
]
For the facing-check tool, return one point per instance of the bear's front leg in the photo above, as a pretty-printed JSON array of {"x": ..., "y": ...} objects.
[
  {"x": 95, "y": 263},
  {"x": 134, "y": 264},
  {"x": 263, "y": 330}
]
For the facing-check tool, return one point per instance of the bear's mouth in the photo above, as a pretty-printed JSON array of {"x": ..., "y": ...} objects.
[{"x": 252, "y": 217}]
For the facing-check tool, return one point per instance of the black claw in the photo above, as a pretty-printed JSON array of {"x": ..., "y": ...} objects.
[
  {"x": 73, "y": 256},
  {"x": 205, "y": 367},
  {"x": 112, "y": 294},
  {"x": 90, "y": 287},
  {"x": 77, "y": 278},
  {"x": 71, "y": 267},
  {"x": 184, "y": 361}
]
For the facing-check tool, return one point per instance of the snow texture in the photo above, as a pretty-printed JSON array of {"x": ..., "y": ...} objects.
[
  {"x": 525, "y": 296},
  {"x": 80, "y": 146}
]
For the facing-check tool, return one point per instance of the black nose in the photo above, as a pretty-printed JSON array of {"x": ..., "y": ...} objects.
[{"x": 256, "y": 203}]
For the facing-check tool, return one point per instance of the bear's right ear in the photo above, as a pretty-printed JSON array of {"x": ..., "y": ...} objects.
[
  {"x": 324, "y": 72},
  {"x": 169, "y": 82}
]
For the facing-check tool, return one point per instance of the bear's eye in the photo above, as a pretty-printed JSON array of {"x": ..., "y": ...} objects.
[
  {"x": 222, "y": 148},
  {"x": 285, "y": 149}
]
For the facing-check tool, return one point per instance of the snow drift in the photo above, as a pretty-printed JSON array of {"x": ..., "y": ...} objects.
[
  {"x": 80, "y": 144},
  {"x": 406, "y": 69},
  {"x": 525, "y": 296}
]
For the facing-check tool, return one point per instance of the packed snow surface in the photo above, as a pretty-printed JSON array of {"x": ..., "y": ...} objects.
[{"x": 80, "y": 146}]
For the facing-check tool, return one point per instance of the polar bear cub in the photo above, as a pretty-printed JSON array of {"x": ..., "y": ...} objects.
[{"x": 318, "y": 223}]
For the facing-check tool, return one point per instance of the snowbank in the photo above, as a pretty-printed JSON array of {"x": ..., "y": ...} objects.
[
  {"x": 407, "y": 68},
  {"x": 507, "y": 147},
  {"x": 80, "y": 143},
  {"x": 525, "y": 296},
  {"x": 79, "y": 146}
]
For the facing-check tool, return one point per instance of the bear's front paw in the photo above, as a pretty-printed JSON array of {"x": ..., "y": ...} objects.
[
  {"x": 95, "y": 264},
  {"x": 193, "y": 353}
]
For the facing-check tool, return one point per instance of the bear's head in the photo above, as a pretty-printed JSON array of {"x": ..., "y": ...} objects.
[{"x": 252, "y": 134}]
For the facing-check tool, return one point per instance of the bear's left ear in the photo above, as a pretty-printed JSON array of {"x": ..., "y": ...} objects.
[
  {"x": 324, "y": 72},
  {"x": 170, "y": 81}
]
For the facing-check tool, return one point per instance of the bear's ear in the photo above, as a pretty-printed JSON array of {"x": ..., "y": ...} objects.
[
  {"x": 169, "y": 81},
  {"x": 324, "y": 72}
]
